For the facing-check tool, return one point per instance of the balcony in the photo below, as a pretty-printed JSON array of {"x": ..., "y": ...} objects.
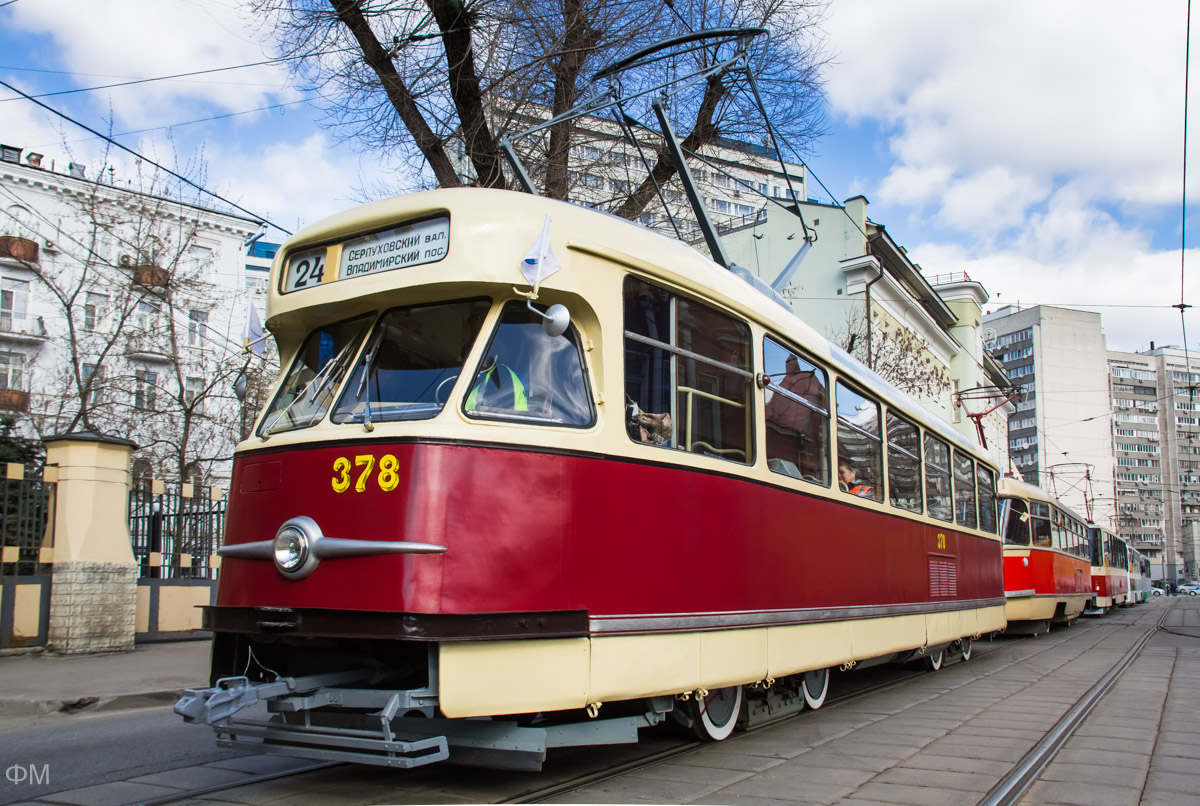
[
  {"x": 151, "y": 348},
  {"x": 14, "y": 400},
  {"x": 150, "y": 276},
  {"x": 22, "y": 329},
  {"x": 21, "y": 249}
]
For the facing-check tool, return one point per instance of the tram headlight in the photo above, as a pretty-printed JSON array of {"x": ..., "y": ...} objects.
[{"x": 291, "y": 549}]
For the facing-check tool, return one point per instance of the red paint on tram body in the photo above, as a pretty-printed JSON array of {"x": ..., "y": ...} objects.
[{"x": 528, "y": 530}]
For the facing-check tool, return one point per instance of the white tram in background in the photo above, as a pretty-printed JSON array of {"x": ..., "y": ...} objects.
[{"x": 578, "y": 506}]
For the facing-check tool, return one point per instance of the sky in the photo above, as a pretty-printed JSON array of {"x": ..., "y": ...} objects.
[{"x": 1036, "y": 146}]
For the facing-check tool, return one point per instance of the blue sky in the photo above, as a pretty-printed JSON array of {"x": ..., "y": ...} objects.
[{"x": 1036, "y": 146}]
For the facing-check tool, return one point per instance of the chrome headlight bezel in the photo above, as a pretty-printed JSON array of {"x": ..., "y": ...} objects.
[{"x": 294, "y": 547}]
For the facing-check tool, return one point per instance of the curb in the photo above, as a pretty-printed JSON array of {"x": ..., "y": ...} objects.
[{"x": 111, "y": 702}]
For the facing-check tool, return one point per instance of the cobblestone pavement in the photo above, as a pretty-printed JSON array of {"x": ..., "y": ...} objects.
[{"x": 943, "y": 738}]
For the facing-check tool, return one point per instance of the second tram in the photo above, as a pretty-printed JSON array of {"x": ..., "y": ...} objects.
[{"x": 1046, "y": 571}]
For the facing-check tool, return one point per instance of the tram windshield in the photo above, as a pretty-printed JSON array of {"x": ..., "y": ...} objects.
[
  {"x": 527, "y": 375},
  {"x": 311, "y": 382},
  {"x": 411, "y": 361},
  {"x": 1014, "y": 515}
]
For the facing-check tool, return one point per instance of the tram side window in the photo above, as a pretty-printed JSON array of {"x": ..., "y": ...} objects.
[
  {"x": 1059, "y": 526},
  {"x": 904, "y": 464},
  {"x": 797, "y": 413},
  {"x": 1016, "y": 522},
  {"x": 411, "y": 362},
  {"x": 529, "y": 376},
  {"x": 1095, "y": 540},
  {"x": 688, "y": 379},
  {"x": 937, "y": 479},
  {"x": 985, "y": 479},
  {"x": 964, "y": 491},
  {"x": 860, "y": 460},
  {"x": 1042, "y": 531},
  {"x": 313, "y": 378}
]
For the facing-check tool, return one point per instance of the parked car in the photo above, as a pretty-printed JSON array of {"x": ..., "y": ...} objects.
[
  {"x": 1156, "y": 591},
  {"x": 1190, "y": 588}
]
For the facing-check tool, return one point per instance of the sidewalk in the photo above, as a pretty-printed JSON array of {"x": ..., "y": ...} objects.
[{"x": 153, "y": 674}]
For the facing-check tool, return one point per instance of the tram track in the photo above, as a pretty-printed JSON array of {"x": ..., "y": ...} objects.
[
  {"x": 1013, "y": 786},
  {"x": 539, "y": 794}
]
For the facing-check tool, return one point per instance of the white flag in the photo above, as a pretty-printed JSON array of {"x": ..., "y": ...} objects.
[
  {"x": 252, "y": 337},
  {"x": 540, "y": 262}
]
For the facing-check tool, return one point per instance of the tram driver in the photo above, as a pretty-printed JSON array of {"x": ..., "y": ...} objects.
[{"x": 848, "y": 480}]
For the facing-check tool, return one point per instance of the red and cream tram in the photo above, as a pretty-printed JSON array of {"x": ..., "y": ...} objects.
[
  {"x": 1046, "y": 570},
  {"x": 1111, "y": 573},
  {"x": 662, "y": 493}
]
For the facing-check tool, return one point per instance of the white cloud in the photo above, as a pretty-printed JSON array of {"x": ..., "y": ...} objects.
[{"x": 112, "y": 40}]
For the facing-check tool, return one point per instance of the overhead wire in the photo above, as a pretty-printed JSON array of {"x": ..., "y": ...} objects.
[
  {"x": 95, "y": 259},
  {"x": 149, "y": 161}
]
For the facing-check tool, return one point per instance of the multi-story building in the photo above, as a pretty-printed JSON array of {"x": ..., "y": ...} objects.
[
  {"x": 1058, "y": 436},
  {"x": 859, "y": 288},
  {"x": 1156, "y": 441},
  {"x": 122, "y": 303}
]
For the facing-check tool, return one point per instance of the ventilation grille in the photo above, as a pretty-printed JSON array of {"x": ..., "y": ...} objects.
[{"x": 943, "y": 577}]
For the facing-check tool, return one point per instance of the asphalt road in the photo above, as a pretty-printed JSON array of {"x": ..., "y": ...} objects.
[{"x": 78, "y": 750}]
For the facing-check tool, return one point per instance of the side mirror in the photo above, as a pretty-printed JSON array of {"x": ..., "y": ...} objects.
[{"x": 555, "y": 320}]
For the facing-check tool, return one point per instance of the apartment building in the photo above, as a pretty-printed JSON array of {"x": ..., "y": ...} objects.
[
  {"x": 122, "y": 304},
  {"x": 1059, "y": 435},
  {"x": 1156, "y": 443}
]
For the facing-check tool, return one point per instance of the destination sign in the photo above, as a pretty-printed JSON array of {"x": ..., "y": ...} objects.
[{"x": 399, "y": 248}]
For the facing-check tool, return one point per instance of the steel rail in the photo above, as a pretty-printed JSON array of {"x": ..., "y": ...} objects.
[
  {"x": 1013, "y": 786},
  {"x": 256, "y": 779}
]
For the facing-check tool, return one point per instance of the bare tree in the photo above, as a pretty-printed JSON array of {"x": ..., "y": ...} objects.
[
  {"x": 898, "y": 355},
  {"x": 136, "y": 324},
  {"x": 423, "y": 78}
]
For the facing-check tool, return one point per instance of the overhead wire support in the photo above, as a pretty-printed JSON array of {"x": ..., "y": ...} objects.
[{"x": 145, "y": 159}]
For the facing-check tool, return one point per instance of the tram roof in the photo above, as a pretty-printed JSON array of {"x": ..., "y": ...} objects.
[{"x": 598, "y": 233}]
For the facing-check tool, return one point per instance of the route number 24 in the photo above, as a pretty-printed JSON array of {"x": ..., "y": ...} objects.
[
  {"x": 359, "y": 473},
  {"x": 309, "y": 270}
]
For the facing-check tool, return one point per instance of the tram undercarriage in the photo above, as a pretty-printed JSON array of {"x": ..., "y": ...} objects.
[{"x": 352, "y": 715}]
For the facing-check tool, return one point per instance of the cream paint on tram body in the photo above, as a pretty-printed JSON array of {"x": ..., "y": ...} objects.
[{"x": 498, "y": 677}]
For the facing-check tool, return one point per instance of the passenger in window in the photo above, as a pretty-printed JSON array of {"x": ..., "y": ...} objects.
[
  {"x": 650, "y": 428},
  {"x": 848, "y": 480},
  {"x": 498, "y": 387}
]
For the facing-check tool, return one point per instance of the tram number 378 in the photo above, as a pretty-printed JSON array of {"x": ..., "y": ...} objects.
[{"x": 358, "y": 473}]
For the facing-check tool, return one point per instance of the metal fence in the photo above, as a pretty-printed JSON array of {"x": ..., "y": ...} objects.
[
  {"x": 26, "y": 521},
  {"x": 174, "y": 535}
]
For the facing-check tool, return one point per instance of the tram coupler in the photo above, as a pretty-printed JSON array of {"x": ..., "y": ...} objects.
[{"x": 215, "y": 705}]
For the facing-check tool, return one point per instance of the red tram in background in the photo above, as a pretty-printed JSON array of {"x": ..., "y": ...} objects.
[
  {"x": 615, "y": 494},
  {"x": 1047, "y": 570},
  {"x": 1111, "y": 570}
]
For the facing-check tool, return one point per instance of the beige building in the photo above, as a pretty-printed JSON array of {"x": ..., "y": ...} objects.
[
  {"x": 859, "y": 288},
  {"x": 1059, "y": 436}
]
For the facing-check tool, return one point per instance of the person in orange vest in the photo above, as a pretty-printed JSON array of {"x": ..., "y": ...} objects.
[{"x": 848, "y": 480}]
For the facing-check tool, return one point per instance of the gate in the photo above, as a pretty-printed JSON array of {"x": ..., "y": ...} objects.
[
  {"x": 176, "y": 529},
  {"x": 27, "y": 531}
]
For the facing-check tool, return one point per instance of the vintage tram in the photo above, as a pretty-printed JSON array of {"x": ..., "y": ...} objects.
[
  {"x": 484, "y": 514},
  {"x": 1110, "y": 571},
  {"x": 1047, "y": 574}
]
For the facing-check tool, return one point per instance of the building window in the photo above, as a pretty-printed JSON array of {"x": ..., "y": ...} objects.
[
  {"x": 92, "y": 377},
  {"x": 94, "y": 308},
  {"x": 143, "y": 393},
  {"x": 14, "y": 302},
  {"x": 147, "y": 316},
  {"x": 193, "y": 393},
  {"x": 12, "y": 370},
  {"x": 197, "y": 324}
]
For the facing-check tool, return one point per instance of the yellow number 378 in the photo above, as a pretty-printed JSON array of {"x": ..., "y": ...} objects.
[{"x": 361, "y": 468}]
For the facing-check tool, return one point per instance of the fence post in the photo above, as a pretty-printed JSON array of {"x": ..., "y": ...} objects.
[{"x": 93, "y": 595}]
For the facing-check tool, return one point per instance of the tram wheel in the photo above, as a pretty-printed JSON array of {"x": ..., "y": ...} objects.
[
  {"x": 715, "y": 716},
  {"x": 965, "y": 645},
  {"x": 815, "y": 687},
  {"x": 933, "y": 661}
]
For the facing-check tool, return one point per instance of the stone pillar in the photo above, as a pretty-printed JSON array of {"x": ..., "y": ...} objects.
[{"x": 93, "y": 597}]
